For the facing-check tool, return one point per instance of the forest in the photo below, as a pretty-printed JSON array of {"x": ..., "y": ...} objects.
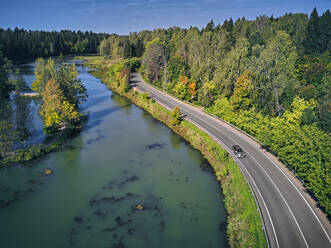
[
  {"x": 20, "y": 44},
  {"x": 271, "y": 77}
]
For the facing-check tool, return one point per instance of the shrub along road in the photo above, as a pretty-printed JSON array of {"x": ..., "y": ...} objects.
[{"x": 290, "y": 219}]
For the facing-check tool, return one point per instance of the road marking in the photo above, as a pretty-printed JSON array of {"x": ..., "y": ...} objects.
[
  {"x": 295, "y": 220},
  {"x": 296, "y": 188},
  {"x": 301, "y": 196},
  {"x": 230, "y": 151},
  {"x": 243, "y": 166},
  {"x": 270, "y": 180}
]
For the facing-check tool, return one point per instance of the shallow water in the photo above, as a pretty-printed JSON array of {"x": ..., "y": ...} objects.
[{"x": 122, "y": 158}]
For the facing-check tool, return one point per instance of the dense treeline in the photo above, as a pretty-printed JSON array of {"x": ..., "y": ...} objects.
[
  {"x": 214, "y": 57},
  {"x": 271, "y": 77},
  {"x": 20, "y": 44}
]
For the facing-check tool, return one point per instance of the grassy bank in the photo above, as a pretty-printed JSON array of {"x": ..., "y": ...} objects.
[{"x": 244, "y": 224}]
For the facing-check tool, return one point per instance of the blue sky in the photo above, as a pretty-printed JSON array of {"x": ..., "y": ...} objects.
[{"x": 125, "y": 16}]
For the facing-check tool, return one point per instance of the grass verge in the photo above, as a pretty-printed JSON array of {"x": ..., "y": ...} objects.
[{"x": 244, "y": 227}]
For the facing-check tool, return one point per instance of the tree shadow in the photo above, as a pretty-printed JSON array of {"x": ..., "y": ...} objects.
[
  {"x": 94, "y": 119},
  {"x": 98, "y": 100}
]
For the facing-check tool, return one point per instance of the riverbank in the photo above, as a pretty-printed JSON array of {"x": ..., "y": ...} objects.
[
  {"x": 52, "y": 143},
  {"x": 244, "y": 227}
]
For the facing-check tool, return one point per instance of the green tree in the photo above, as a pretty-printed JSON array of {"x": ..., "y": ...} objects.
[
  {"x": 154, "y": 59},
  {"x": 181, "y": 89},
  {"x": 72, "y": 87},
  {"x": 210, "y": 26},
  {"x": 175, "y": 66},
  {"x": 275, "y": 74},
  {"x": 55, "y": 110},
  {"x": 175, "y": 117},
  {"x": 312, "y": 41},
  {"x": 296, "y": 26},
  {"x": 19, "y": 83},
  {"x": 5, "y": 86},
  {"x": 24, "y": 125},
  {"x": 233, "y": 65},
  {"x": 127, "y": 51},
  {"x": 105, "y": 48},
  {"x": 325, "y": 31},
  {"x": 124, "y": 78},
  {"x": 43, "y": 71},
  {"x": 223, "y": 108},
  {"x": 208, "y": 93},
  {"x": 7, "y": 137}
]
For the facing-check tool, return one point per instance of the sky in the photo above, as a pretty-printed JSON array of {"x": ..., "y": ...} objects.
[{"x": 125, "y": 16}]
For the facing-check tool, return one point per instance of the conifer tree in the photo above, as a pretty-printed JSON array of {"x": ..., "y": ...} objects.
[{"x": 312, "y": 42}]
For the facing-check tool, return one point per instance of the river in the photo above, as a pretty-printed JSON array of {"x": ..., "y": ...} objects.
[{"x": 125, "y": 181}]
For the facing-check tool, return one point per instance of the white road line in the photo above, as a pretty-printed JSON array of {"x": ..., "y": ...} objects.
[
  {"x": 295, "y": 220},
  {"x": 277, "y": 190},
  {"x": 296, "y": 188},
  {"x": 243, "y": 166},
  {"x": 302, "y": 197}
]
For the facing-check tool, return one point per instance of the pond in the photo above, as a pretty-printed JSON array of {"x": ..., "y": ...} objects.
[{"x": 125, "y": 181}]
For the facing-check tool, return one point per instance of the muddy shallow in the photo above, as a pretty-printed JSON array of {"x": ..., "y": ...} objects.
[{"x": 125, "y": 181}]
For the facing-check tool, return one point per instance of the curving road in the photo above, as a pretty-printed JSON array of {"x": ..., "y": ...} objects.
[{"x": 290, "y": 218}]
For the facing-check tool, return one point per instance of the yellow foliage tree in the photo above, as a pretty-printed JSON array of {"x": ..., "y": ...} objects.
[
  {"x": 243, "y": 94},
  {"x": 181, "y": 89},
  {"x": 56, "y": 111}
]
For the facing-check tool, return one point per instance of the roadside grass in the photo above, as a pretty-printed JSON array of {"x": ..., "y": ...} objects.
[{"x": 244, "y": 227}]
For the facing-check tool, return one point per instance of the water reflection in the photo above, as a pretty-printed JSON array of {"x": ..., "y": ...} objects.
[
  {"x": 121, "y": 101},
  {"x": 174, "y": 140},
  {"x": 23, "y": 118},
  {"x": 153, "y": 124},
  {"x": 6, "y": 111}
]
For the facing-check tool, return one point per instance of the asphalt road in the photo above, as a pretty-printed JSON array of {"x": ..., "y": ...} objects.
[{"x": 290, "y": 219}]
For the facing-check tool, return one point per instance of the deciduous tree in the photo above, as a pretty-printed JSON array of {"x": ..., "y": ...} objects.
[{"x": 154, "y": 59}]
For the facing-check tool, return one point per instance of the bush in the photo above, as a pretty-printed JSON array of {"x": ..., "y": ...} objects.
[
  {"x": 145, "y": 96},
  {"x": 175, "y": 117}
]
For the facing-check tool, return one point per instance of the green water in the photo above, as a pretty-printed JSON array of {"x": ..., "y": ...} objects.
[{"x": 122, "y": 158}]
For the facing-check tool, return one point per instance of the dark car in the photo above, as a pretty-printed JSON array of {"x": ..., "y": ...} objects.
[{"x": 238, "y": 151}]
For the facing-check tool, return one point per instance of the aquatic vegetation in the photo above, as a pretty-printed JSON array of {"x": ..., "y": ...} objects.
[
  {"x": 48, "y": 172},
  {"x": 139, "y": 207}
]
